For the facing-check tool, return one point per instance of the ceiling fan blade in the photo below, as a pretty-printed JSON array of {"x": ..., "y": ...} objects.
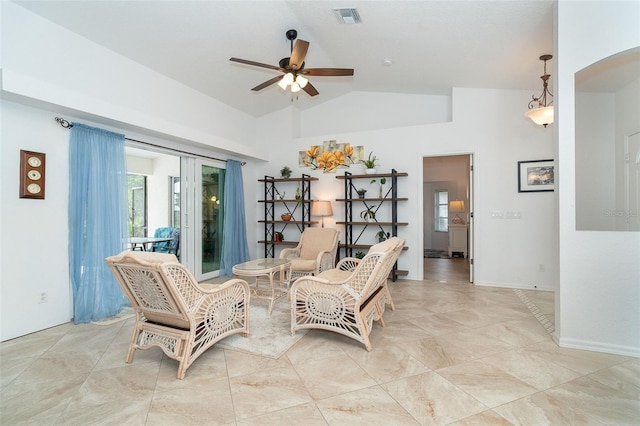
[
  {"x": 257, "y": 64},
  {"x": 267, "y": 83},
  {"x": 328, "y": 72},
  {"x": 298, "y": 54},
  {"x": 311, "y": 91}
]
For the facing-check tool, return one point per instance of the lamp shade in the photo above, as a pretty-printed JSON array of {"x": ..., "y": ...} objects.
[
  {"x": 456, "y": 206},
  {"x": 321, "y": 208},
  {"x": 541, "y": 116}
]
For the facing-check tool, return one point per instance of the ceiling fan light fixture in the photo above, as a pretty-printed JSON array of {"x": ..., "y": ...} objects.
[
  {"x": 301, "y": 81},
  {"x": 286, "y": 80},
  {"x": 295, "y": 87}
]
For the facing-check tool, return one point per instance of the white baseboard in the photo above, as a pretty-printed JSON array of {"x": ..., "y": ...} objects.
[
  {"x": 599, "y": 347},
  {"x": 519, "y": 286}
]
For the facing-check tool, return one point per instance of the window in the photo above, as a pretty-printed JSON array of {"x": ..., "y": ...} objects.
[
  {"x": 137, "y": 192},
  {"x": 442, "y": 211}
]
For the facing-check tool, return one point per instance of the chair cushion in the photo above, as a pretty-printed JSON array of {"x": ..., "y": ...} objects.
[
  {"x": 316, "y": 240},
  {"x": 303, "y": 264},
  {"x": 335, "y": 275}
]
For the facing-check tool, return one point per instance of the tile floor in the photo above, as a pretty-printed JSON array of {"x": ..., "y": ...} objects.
[{"x": 451, "y": 353}]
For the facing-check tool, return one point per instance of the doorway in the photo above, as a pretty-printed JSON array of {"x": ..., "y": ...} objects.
[{"x": 448, "y": 216}]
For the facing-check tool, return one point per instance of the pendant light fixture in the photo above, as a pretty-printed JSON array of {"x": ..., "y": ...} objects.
[{"x": 540, "y": 109}]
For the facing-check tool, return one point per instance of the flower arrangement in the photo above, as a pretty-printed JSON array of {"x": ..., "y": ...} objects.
[{"x": 328, "y": 161}]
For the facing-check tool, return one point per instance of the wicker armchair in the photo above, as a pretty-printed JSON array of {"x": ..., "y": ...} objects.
[
  {"x": 347, "y": 299},
  {"x": 173, "y": 311},
  {"x": 315, "y": 252}
]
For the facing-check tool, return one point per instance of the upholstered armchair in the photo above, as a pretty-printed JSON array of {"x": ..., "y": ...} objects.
[
  {"x": 172, "y": 246},
  {"x": 315, "y": 252},
  {"x": 348, "y": 298},
  {"x": 173, "y": 311}
]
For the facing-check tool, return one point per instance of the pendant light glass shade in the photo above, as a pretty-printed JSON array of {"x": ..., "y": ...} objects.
[{"x": 542, "y": 116}]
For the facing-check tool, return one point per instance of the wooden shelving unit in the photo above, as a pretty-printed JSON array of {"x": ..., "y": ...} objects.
[
  {"x": 276, "y": 203},
  {"x": 388, "y": 199}
]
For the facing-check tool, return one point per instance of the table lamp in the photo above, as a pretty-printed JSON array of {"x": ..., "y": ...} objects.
[
  {"x": 457, "y": 206},
  {"x": 322, "y": 209}
]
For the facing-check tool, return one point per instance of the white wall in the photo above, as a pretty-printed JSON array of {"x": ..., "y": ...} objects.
[
  {"x": 595, "y": 161},
  {"x": 599, "y": 291},
  {"x": 34, "y": 232},
  {"x": 383, "y": 111},
  {"x": 508, "y": 252}
]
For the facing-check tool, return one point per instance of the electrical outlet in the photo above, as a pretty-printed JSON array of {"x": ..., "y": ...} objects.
[{"x": 44, "y": 297}]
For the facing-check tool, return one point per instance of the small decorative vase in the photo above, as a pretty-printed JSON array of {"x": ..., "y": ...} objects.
[{"x": 370, "y": 171}]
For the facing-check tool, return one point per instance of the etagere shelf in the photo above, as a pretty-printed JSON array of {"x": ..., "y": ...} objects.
[
  {"x": 387, "y": 199},
  {"x": 277, "y": 201}
]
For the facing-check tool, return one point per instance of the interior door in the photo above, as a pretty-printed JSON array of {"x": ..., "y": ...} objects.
[
  {"x": 470, "y": 197},
  {"x": 632, "y": 171}
]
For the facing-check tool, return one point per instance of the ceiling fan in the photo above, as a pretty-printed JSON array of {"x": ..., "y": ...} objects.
[{"x": 293, "y": 70}]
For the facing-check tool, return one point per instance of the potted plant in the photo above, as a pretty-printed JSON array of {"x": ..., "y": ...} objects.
[
  {"x": 359, "y": 254},
  {"x": 370, "y": 164},
  {"x": 285, "y": 172},
  {"x": 369, "y": 214},
  {"x": 361, "y": 192},
  {"x": 379, "y": 183},
  {"x": 298, "y": 193},
  {"x": 382, "y": 236}
]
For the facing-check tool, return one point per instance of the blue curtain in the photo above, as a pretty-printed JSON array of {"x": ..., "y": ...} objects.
[
  {"x": 97, "y": 220},
  {"x": 234, "y": 232}
]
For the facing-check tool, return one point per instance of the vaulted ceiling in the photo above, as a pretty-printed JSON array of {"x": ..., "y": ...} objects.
[{"x": 432, "y": 45}]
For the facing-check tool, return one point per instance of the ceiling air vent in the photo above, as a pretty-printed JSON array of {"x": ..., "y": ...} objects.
[{"x": 347, "y": 16}]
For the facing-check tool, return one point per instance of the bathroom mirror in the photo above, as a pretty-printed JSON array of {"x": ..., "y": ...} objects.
[{"x": 607, "y": 137}]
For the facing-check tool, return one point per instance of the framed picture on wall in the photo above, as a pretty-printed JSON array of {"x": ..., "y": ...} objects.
[{"x": 536, "y": 176}]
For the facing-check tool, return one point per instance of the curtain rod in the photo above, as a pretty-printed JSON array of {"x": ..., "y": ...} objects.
[{"x": 67, "y": 125}]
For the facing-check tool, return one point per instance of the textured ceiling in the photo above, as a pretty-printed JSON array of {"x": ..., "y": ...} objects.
[{"x": 434, "y": 45}]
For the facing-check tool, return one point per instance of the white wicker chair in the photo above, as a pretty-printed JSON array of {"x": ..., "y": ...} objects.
[
  {"x": 173, "y": 311},
  {"x": 315, "y": 252},
  {"x": 347, "y": 299}
]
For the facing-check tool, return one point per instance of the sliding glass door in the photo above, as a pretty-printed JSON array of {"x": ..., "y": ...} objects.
[{"x": 211, "y": 189}]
